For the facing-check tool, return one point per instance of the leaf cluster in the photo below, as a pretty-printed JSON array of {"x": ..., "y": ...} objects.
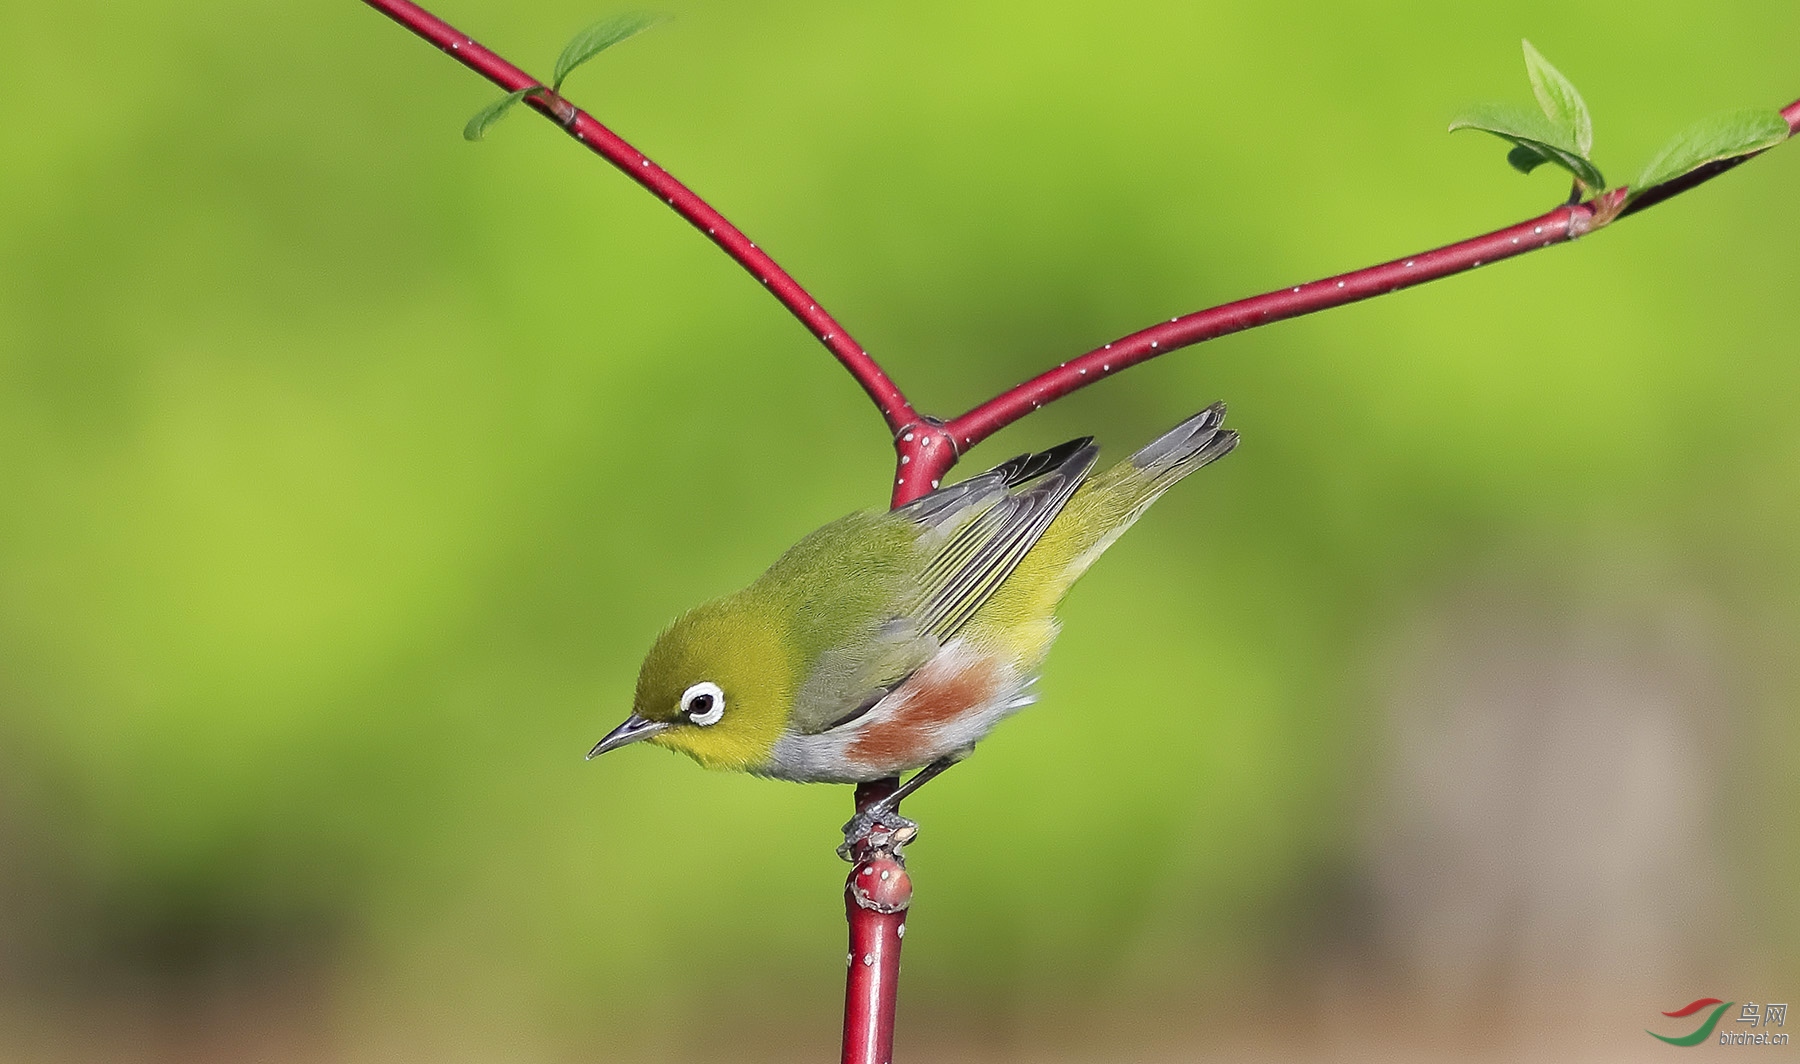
[
  {"x": 1561, "y": 133},
  {"x": 582, "y": 47}
]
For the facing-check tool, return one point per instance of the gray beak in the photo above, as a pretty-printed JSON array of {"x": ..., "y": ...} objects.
[{"x": 634, "y": 729}]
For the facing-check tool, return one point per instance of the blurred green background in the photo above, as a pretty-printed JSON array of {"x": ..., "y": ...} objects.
[{"x": 346, "y": 470}]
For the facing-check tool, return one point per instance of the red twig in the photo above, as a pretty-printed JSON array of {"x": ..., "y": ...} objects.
[
  {"x": 878, "y": 891},
  {"x": 1561, "y": 224},
  {"x": 662, "y": 184},
  {"x": 876, "y": 897}
]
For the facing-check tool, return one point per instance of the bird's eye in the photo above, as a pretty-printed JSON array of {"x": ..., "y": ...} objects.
[{"x": 703, "y": 703}]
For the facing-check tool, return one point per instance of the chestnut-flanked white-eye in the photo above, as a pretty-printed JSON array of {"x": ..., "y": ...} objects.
[{"x": 896, "y": 639}]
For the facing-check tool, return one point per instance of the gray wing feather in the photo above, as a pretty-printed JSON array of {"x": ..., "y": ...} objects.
[
  {"x": 978, "y": 531},
  {"x": 981, "y": 554},
  {"x": 848, "y": 681}
]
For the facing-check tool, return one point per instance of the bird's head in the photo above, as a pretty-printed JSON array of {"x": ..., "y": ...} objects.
[{"x": 717, "y": 686}]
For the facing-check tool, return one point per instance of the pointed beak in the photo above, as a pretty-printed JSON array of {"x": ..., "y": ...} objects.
[{"x": 634, "y": 729}]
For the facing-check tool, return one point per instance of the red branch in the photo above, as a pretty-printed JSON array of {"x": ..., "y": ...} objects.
[
  {"x": 1561, "y": 224},
  {"x": 877, "y": 894},
  {"x": 878, "y": 890},
  {"x": 928, "y": 448},
  {"x": 663, "y": 185}
]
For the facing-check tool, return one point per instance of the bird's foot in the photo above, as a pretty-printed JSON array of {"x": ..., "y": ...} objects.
[{"x": 877, "y": 828}]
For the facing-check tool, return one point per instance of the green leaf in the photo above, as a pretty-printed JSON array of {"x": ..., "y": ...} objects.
[
  {"x": 598, "y": 38},
  {"x": 1524, "y": 159},
  {"x": 1561, "y": 103},
  {"x": 1515, "y": 123},
  {"x": 477, "y": 126},
  {"x": 1534, "y": 133},
  {"x": 1720, "y": 137}
]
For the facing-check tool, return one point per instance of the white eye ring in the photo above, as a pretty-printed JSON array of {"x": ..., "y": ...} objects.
[{"x": 704, "y": 703}]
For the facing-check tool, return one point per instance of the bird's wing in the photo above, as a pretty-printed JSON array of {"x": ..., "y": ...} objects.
[
  {"x": 975, "y": 534},
  {"x": 848, "y": 680},
  {"x": 985, "y": 547}
]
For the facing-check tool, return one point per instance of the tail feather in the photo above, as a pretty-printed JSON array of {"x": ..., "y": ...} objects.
[
  {"x": 1119, "y": 496},
  {"x": 1107, "y": 504},
  {"x": 1194, "y": 443}
]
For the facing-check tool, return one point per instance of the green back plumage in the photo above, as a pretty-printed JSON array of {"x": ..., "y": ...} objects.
[{"x": 840, "y": 579}]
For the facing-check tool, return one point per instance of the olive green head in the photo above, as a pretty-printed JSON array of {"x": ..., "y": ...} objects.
[{"x": 718, "y": 685}]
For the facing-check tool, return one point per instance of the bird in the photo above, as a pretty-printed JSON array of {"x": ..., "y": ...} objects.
[{"x": 888, "y": 641}]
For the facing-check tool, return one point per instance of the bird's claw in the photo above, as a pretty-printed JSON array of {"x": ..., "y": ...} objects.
[{"x": 876, "y": 829}]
